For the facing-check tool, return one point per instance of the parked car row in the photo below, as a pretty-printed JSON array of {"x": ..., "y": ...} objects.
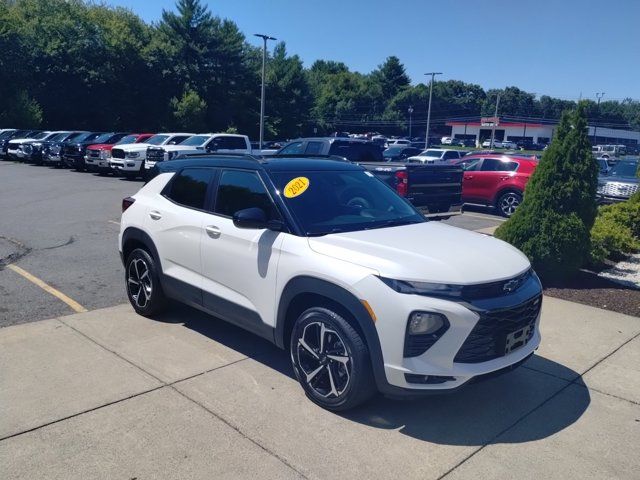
[{"x": 120, "y": 153}]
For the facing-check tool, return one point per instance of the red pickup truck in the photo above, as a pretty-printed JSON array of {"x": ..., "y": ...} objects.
[
  {"x": 98, "y": 156},
  {"x": 496, "y": 180}
]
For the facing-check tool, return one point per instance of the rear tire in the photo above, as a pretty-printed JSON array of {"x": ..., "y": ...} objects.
[
  {"x": 508, "y": 203},
  {"x": 331, "y": 360},
  {"x": 142, "y": 282}
]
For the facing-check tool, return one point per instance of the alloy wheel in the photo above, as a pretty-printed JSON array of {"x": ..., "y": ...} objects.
[
  {"x": 324, "y": 360},
  {"x": 509, "y": 203},
  {"x": 139, "y": 282}
]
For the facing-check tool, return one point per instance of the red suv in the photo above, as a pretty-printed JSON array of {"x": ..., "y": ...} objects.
[{"x": 496, "y": 180}]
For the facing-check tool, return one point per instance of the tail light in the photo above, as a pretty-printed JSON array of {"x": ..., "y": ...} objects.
[
  {"x": 402, "y": 183},
  {"x": 127, "y": 202}
]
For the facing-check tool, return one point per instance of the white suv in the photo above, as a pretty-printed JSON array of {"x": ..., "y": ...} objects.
[
  {"x": 323, "y": 259},
  {"x": 129, "y": 160},
  {"x": 202, "y": 143}
]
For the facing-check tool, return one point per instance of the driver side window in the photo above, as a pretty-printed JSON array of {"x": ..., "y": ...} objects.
[
  {"x": 471, "y": 165},
  {"x": 240, "y": 189}
]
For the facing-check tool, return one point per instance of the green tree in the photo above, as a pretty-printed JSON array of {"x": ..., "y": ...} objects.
[
  {"x": 190, "y": 112},
  {"x": 391, "y": 76},
  {"x": 553, "y": 223},
  {"x": 288, "y": 97}
]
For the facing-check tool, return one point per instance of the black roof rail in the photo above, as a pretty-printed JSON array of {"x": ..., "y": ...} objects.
[
  {"x": 307, "y": 155},
  {"x": 248, "y": 156}
]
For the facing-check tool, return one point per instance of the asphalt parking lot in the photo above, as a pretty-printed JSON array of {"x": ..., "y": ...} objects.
[
  {"x": 61, "y": 227},
  {"x": 106, "y": 393}
]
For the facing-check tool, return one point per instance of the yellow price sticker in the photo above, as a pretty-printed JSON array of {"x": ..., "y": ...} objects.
[{"x": 296, "y": 187}]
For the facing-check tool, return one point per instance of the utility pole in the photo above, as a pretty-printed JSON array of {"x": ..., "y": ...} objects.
[
  {"x": 599, "y": 96},
  {"x": 495, "y": 120},
  {"x": 433, "y": 75},
  {"x": 264, "y": 63},
  {"x": 410, "y": 110}
]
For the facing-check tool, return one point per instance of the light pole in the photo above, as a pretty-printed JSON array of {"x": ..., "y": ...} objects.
[
  {"x": 264, "y": 63},
  {"x": 410, "y": 110},
  {"x": 433, "y": 74},
  {"x": 495, "y": 120},
  {"x": 599, "y": 96}
]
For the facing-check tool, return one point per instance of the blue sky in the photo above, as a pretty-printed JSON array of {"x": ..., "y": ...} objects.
[{"x": 556, "y": 47}]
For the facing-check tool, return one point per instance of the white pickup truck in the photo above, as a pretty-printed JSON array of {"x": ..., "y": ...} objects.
[
  {"x": 203, "y": 143},
  {"x": 129, "y": 159}
]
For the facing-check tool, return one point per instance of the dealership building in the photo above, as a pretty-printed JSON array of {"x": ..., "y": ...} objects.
[{"x": 480, "y": 130}]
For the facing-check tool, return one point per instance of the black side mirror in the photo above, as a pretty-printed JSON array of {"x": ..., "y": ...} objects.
[{"x": 250, "y": 218}]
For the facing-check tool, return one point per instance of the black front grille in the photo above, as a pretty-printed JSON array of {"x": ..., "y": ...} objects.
[
  {"x": 155, "y": 155},
  {"x": 94, "y": 153},
  {"x": 117, "y": 153},
  {"x": 495, "y": 289},
  {"x": 487, "y": 340}
]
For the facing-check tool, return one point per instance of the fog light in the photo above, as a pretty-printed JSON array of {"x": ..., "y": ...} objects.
[{"x": 424, "y": 323}]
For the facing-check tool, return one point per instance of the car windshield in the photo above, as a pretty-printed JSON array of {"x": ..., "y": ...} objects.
[
  {"x": 101, "y": 138},
  {"x": 58, "y": 137},
  {"x": 392, "y": 151},
  {"x": 157, "y": 139},
  {"x": 431, "y": 153},
  {"x": 624, "y": 169},
  {"x": 41, "y": 135},
  {"x": 343, "y": 201},
  {"x": 6, "y": 134},
  {"x": 196, "y": 140},
  {"x": 127, "y": 139}
]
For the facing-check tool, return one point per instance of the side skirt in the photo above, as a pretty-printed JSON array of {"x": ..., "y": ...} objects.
[{"x": 217, "y": 306}]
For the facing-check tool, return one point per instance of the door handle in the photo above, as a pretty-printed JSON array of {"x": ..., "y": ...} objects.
[
  {"x": 212, "y": 231},
  {"x": 155, "y": 215}
]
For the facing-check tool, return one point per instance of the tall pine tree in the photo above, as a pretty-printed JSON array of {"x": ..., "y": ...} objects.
[{"x": 553, "y": 224}]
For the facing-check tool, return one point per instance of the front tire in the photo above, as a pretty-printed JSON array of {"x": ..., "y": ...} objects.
[
  {"x": 508, "y": 203},
  {"x": 331, "y": 360},
  {"x": 143, "y": 284}
]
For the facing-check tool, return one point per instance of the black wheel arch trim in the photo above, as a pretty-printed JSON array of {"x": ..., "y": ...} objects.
[
  {"x": 134, "y": 233},
  {"x": 312, "y": 285}
]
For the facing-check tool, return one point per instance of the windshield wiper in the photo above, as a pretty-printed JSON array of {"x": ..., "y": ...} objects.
[
  {"x": 398, "y": 222},
  {"x": 319, "y": 234}
]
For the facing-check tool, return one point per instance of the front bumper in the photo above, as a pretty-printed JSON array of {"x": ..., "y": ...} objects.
[
  {"x": 97, "y": 163},
  {"x": 393, "y": 309},
  {"x": 126, "y": 165},
  {"x": 602, "y": 199}
]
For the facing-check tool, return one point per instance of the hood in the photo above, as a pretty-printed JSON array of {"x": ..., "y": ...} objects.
[
  {"x": 177, "y": 148},
  {"x": 134, "y": 147},
  {"x": 619, "y": 179},
  {"x": 100, "y": 146},
  {"x": 428, "y": 252},
  {"x": 20, "y": 141}
]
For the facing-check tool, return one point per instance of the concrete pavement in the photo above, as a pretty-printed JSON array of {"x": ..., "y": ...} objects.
[{"x": 109, "y": 394}]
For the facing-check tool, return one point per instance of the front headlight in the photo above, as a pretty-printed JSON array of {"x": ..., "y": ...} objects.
[
  {"x": 172, "y": 155},
  {"x": 132, "y": 154},
  {"x": 104, "y": 154},
  {"x": 424, "y": 288},
  {"x": 601, "y": 187}
]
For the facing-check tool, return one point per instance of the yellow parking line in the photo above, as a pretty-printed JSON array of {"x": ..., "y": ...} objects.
[{"x": 75, "y": 306}]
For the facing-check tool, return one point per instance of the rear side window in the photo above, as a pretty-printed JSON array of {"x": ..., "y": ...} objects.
[
  {"x": 450, "y": 155},
  {"x": 228, "y": 143},
  {"x": 494, "y": 165},
  {"x": 239, "y": 189},
  {"x": 189, "y": 187},
  {"x": 357, "y": 152}
]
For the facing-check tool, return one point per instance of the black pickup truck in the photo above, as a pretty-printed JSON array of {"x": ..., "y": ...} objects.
[{"x": 435, "y": 189}]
